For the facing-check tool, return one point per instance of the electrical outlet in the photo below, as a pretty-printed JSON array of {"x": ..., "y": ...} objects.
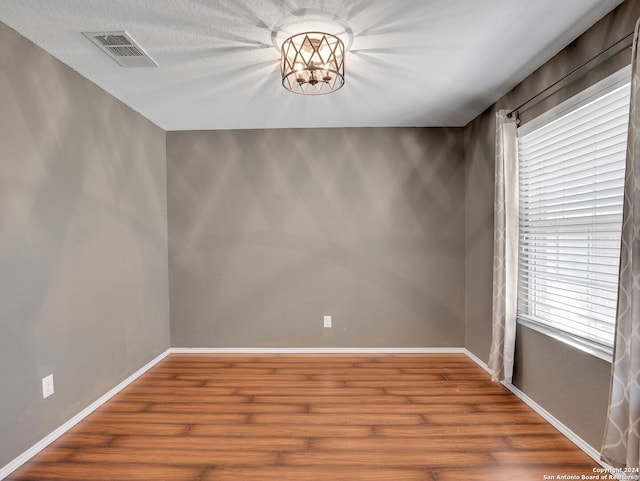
[
  {"x": 327, "y": 321},
  {"x": 47, "y": 386}
]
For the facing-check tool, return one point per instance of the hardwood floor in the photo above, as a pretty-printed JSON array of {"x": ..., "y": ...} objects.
[{"x": 311, "y": 417}]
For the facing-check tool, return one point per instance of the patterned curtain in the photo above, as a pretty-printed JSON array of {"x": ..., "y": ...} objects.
[
  {"x": 505, "y": 249},
  {"x": 621, "y": 446}
]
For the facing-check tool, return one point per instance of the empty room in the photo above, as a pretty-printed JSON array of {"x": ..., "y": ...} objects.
[{"x": 304, "y": 240}]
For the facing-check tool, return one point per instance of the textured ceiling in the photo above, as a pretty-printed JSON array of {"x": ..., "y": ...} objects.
[{"x": 409, "y": 63}]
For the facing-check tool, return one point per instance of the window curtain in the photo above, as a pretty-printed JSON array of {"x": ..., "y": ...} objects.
[
  {"x": 505, "y": 249},
  {"x": 621, "y": 446}
]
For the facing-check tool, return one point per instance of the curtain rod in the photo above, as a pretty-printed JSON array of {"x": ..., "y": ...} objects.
[{"x": 613, "y": 45}]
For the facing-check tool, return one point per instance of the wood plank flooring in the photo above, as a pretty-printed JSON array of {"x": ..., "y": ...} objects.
[{"x": 311, "y": 417}]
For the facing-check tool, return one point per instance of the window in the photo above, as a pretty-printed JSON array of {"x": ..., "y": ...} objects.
[{"x": 571, "y": 180}]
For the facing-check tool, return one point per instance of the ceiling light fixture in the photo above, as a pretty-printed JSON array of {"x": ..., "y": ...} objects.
[{"x": 312, "y": 63}]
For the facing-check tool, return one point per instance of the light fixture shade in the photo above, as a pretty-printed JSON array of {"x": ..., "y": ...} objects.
[{"x": 312, "y": 63}]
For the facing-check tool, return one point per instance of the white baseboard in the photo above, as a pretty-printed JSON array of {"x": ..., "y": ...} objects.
[
  {"x": 477, "y": 360},
  {"x": 317, "y": 350},
  {"x": 48, "y": 439},
  {"x": 550, "y": 418}
]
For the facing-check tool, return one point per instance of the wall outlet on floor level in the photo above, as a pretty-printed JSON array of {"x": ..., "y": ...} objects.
[
  {"x": 327, "y": 321},
  {"x": 47, "y": 386}
]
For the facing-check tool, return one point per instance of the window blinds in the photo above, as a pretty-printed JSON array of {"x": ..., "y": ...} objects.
[{"x": 571, "y": 174}]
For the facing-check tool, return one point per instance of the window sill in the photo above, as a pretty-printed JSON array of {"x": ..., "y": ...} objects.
[{"x": 593, "y": 349}]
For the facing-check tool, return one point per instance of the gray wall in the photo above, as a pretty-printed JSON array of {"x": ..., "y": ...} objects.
[
  {"x": 569, "y": 384},
  {"x": 83, "y": 246},
  {"x": 270, "y": 230}
]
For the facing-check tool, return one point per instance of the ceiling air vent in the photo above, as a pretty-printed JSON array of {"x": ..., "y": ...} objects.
[{"x": 121, "y": 48}]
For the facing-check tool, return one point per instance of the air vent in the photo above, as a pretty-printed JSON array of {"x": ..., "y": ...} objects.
[{"x": 121, "y": 48}]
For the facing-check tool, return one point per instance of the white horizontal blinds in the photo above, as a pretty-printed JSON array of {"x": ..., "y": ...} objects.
[{"x": 571, "y": 190}]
